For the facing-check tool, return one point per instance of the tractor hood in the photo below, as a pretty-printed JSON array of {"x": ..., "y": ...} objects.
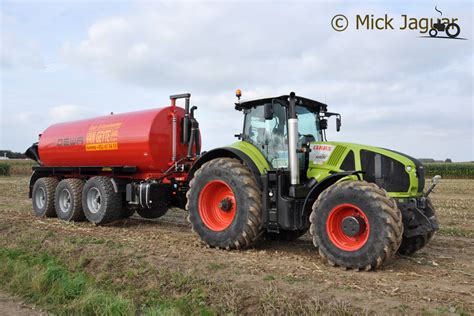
[{"x": 397, "y": 173}]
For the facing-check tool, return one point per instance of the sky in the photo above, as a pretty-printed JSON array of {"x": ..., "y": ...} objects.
[{"x": 67, "y": 60}]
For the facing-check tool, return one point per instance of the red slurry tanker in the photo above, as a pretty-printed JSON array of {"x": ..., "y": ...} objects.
[{"x": 360, "y": 204}]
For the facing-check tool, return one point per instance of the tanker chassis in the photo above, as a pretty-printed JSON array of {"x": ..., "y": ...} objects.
[{"x": 360, "y": 204}]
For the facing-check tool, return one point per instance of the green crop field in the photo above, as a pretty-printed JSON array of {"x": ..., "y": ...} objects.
[{"x": 455, "y": 170}]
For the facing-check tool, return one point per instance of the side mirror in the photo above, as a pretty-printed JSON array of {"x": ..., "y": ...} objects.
[
  {"x": 338, "y": 123},
  {"x": 268, "y": 111}
]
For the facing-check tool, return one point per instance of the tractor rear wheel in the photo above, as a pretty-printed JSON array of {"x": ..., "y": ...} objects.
[
  {"x": 101, "y": 203},
  {"x": 68, "y": 200},
  {"x": 355, "y": 224},
  {"x": 43, "y": 197},
  {"x": 412, "y": 244},
  {"x": 224, "y": 204}
]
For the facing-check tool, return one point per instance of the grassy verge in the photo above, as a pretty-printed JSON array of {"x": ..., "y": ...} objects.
[{"x": 43, "y": 279}]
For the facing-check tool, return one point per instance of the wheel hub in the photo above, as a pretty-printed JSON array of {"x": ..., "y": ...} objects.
[
  {"x": 226, "y": 205},
  {"x": 352, "y": 226},
  {"x": 348, "y": 227},
  {"x": 217, "y": 205}
]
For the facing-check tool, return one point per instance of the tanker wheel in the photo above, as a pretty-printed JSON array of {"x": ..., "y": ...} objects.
[
  {"x": 43, "y": 197},
  {"x": 411, "y": 245},
  {"x": 155, "y": 212},
  {"x": 286, "y": 235},
  {"x": 68, "y": 200},
  {"x": 355, "y": 224},
  {"x": 101, "y": 203},
  {"x": 224, "y": 204}
]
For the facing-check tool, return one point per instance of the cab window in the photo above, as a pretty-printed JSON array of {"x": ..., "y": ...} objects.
[{"x": 269, "y": 136}]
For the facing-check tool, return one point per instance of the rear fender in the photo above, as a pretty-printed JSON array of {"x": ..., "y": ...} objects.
[
  {"x": 229, "y": 153},
  {"x": 319, "y": 187}
]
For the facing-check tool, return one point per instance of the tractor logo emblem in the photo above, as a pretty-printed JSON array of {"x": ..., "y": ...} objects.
[{"x": 451, "y": 29}]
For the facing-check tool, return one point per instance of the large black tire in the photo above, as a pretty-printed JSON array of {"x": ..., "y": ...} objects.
[
  {"x": 286, "y": 235},
  {"x": 376, "y": 236},
  {"x": 234, "y": 221},
  {"x": 101, "y": 203},
  {"x": 68, "y": 200},
  {"x": 412, "y": 244},
  {"x": 43, "y": 197},
  {"x": 155, "y": 212}
]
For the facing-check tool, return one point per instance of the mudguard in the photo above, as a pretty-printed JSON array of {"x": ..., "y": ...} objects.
[
  {"x": 319, "y": 187},
  {"x": 228, "y": 152}
]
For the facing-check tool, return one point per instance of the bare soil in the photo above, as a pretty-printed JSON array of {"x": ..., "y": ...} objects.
[
  {"x": 12, "y": 306},
  {"x": 265, "y": 278}
]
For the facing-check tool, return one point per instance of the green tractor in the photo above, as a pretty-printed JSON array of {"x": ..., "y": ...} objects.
[{"x": 361, "y": 204}]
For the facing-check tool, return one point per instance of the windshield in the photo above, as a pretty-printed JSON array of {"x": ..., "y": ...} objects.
[
  {"x": 308, "y": 126},
  {"x": 271, "y": 136}
]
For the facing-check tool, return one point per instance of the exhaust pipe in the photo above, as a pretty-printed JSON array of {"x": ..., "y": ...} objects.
[{"x": 293, "y": 141}]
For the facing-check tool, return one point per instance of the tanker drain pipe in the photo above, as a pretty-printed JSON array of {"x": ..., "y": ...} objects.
[{"x": 293, "y": 141}]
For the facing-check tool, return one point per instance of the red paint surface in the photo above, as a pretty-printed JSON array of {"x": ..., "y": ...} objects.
[
  {"x": 210, "y": 211},
  {"x": 337, "y": 235},
  {"x": 144, "y": 140}
]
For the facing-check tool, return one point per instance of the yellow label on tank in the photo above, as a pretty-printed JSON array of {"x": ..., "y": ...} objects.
[{"x": 103, "y": 136}]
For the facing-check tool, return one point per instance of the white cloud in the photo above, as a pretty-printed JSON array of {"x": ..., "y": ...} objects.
[{"x": 69, "y": 112}]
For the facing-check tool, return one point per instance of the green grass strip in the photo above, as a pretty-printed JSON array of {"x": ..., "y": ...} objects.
[{"x": 42, "y": 280}]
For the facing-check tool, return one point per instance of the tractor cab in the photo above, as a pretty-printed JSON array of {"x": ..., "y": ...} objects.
[
  {"x": 283, "y": 128},
  {"x": 266, "y": 127}
]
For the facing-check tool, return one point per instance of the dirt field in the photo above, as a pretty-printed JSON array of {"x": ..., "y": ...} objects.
[{"x": 273, "y": 277}]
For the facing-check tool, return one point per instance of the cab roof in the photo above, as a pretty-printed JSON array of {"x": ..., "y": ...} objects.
[{"x": 311, "y": 104}]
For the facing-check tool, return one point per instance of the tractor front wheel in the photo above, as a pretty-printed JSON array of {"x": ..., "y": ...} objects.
[
  {"x": 224, "y": 204},
  {"x": 355, "y": 224}
]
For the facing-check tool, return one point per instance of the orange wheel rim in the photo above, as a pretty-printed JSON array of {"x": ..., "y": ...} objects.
[
  {"x": 348, "y": 227},
  {"x": 217, "y": 205}
]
